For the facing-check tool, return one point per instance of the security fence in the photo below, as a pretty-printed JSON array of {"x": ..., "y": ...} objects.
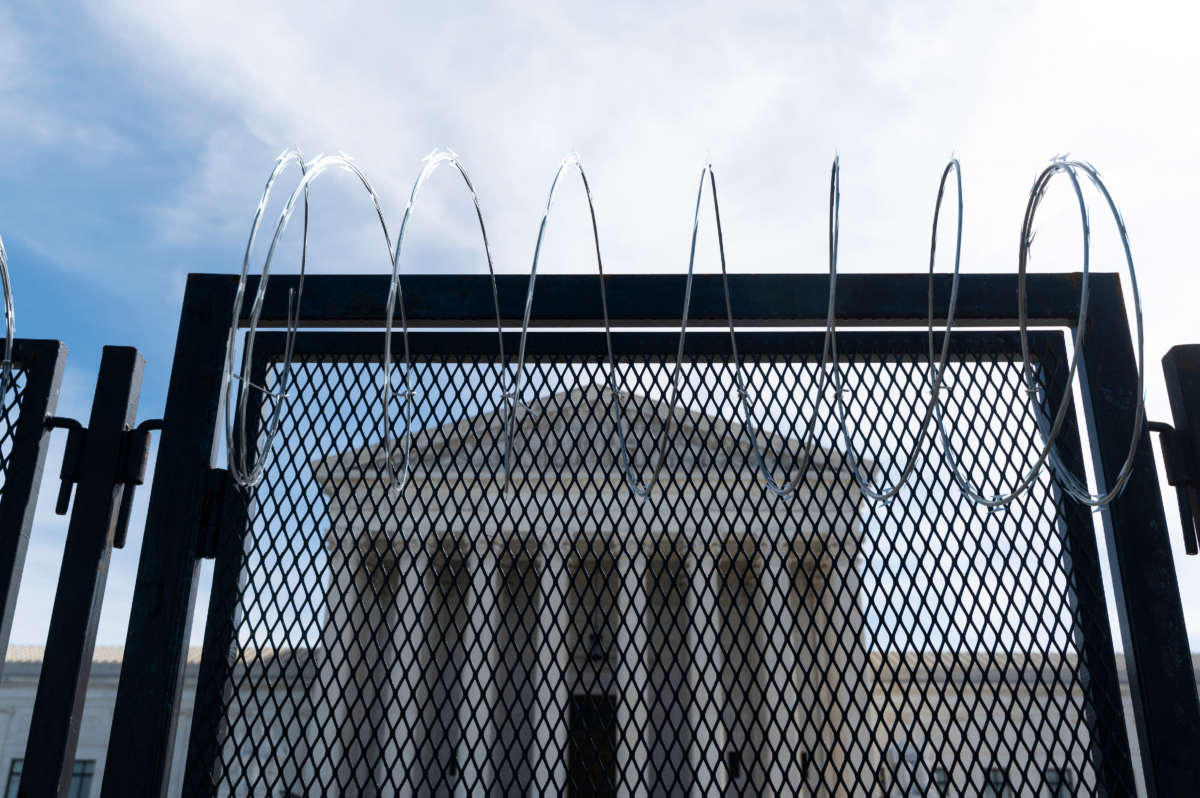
[{"x": 512, "y": 618}]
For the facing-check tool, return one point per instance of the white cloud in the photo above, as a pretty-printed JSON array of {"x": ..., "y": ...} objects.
[
  {"x": 26, "y": 94},
  {"x": 644, "y": 95}
]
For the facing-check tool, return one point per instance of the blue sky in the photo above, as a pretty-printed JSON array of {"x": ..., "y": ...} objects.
[{"x": 137, "y": 136}]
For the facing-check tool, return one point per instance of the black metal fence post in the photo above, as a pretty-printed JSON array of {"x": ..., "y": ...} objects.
[
  {"x": 160, "y": 621},
  {"x": 1109, "y": 744},
  {"x": 58, "y": 707},
  {"x": 1158, "y": 661},
  {"x": 42, "y": 364}
]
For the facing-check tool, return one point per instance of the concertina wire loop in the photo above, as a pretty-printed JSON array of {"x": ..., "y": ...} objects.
[
  {"x": 1025, "y": 481},
  {"x": 1072, "y": 484},
  {"x": 887, "y": 494},
  {"x": 242, "y": 474},
  {"x": 432, "y": 161},
  {"x": 641, "y": 489},
  {"x": 512, "y": 388},
  {"x": 6, "y": 367},
  {"x": 240, "y": 469}
]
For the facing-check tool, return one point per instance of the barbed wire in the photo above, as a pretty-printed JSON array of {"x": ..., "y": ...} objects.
[
  {"x": 888, "y": 493},
  {"x": 243, "y": 473},
  {"x": 432, "y": 161},
  {"x": 10, "y": 323},
  {"x": 1070, "y": 483},
  {"x": 512, "y": 386}
]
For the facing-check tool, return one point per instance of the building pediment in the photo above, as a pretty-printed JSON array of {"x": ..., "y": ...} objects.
[{"x": 574, "y": 434}]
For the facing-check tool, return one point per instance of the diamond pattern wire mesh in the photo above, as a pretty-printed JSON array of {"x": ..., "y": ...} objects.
[
  {"x": 10, "y": 413},
  {"x": 567, "y": 638}
]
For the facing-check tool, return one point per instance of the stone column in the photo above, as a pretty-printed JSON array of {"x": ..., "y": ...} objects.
[
  {"x": 440, "y": 697},
  {"x": 554, "y": 582},
  {"x": 780, "y": 643},
  {"x": 741, "y": 605},
  {"x": 632, "y": 712},
  {"x": 847, "y": 660},
  {"x": 668, "y": 692},
  {"x": 363, "y": 607},
  {"x": 704, "y": 674},
  {"x": 515, "y": 676},
  {"x": 403, "y": 671},
  {"x": 478, "y": 671}
]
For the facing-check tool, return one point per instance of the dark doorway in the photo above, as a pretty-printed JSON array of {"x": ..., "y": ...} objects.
[{"x": 592, "y": 760}]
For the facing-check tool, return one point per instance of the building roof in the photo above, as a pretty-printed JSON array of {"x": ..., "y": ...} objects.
[
  {"x": 103, "y": 655},
  {"x": 557, "y": 435}
]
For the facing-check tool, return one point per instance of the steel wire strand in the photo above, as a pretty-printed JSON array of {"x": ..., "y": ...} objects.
[
  {"x": 1026, "y": 480},
  {"x": 1068, "y": 480},
  {"x": 740, "y": 384},
  {"x": 1049, "y": 456},
  {"x": 314, "y": 169},
  {"x": 512, "y": 395},
  {"x": 937, "y": 372},
  {"x": 432, "y": 162},
  {"x": 6, "y": 367},
  {"x": 640, "y": 489},
  {"x": 244, "y": 473}
]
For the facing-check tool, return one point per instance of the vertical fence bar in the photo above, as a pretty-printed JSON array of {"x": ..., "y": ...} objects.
[
  {"x": 42, "y": 362},
  {"x": 58, "y": 707},
  {"x": 1109, "y": 746},
  {"x": 1158, "y": 660},
  {"x": 209, "y": 726},
  {"x": 144, "y": 719}
]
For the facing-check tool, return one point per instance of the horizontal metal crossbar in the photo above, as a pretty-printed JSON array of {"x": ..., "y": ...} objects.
[
  {"x": 365, "y": 346},
  {"x": 654, "y": 300}
]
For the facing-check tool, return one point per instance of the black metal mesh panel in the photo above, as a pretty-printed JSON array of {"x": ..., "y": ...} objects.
[
  {"x": 565, "y": 637},
  {"x": 10, "y": 413}
]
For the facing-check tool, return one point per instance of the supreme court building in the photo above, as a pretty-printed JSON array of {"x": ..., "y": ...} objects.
[
  {"x": 656, "y": 647},
  {"x": 707, "y": 643}
]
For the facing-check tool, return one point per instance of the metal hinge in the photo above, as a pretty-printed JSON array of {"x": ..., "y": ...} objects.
[{"x": 212, "y": 507}]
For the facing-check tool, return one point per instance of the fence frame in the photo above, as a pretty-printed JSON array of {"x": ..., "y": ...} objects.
[{"x": 1166, "y": 706}]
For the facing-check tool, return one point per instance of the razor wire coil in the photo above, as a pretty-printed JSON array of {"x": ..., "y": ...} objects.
[
  {"x": 512, "y": 385},
  {"x": 6, "y": 366}
]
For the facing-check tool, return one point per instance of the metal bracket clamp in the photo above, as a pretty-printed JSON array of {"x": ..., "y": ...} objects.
[
  {"x": 1181, "y": 475},
  {"x": 1181, "y": 441},
  {"x": 72, "y": 457},
  {"x": 136, "y": 445},
  {"x": 135, "y": 451}
]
